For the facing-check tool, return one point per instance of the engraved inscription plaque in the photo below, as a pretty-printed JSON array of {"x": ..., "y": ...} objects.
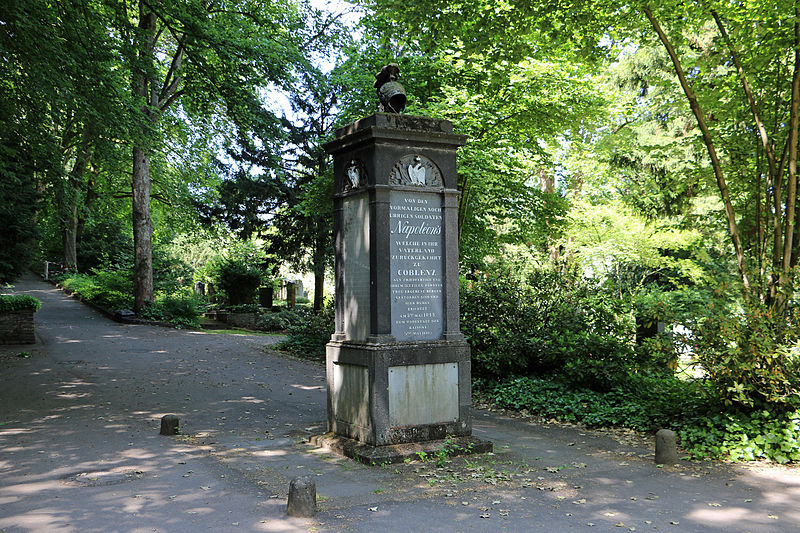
[{"x": 417, "y": 264}]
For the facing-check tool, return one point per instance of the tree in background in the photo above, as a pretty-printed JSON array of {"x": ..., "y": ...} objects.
[{"x": 212, "y": 57}]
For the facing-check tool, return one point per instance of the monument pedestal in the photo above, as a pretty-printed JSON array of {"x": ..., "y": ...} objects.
[{"x": 398, "y": 367}]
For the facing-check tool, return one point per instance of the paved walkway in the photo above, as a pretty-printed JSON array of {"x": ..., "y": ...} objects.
[{"x": 80, "y": 450}]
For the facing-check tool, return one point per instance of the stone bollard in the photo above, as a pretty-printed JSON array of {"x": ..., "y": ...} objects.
[
  {"x": 169, "y": 425},
  {"x": 666, "y": 447},
  {"x": 302, "y": 497}
]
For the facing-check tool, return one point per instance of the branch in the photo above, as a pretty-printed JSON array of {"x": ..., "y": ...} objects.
[
  {"x": 174, "y": 96},
  {"x": 733, "y": 229},
  {"x": 327, "y": 24},
  {"x": 762, "y": 132},
  {"x": 791, "y": 198},
  {"x": 172, "y": 78}
]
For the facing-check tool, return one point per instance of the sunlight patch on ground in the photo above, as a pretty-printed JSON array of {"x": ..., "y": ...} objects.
[{"x": 720, "y": 517}]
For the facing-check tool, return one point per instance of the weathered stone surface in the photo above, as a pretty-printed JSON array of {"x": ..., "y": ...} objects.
[
  {"x": 170, "y": 425},
  {"x": 242, "y": 320},
  {"x": 398, "y": 366},
  {"x": 16, "y": 327},
  {"x": 302, "y": 500},
  {"x": 666, "y": 447},
  {"x": 121, "y": 315}
]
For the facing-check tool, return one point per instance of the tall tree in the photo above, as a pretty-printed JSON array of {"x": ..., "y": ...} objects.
[
  {"x": 762, "y": 90},
  {"x": 210, "y": 56}
]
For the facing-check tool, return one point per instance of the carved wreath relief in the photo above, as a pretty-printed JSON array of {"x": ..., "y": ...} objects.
[
  {"x": 356, "y": 175},
  {"x": 417, "y": 171}
]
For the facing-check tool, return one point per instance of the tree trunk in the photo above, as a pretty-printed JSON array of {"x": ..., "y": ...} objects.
[
  {"x": 142, "y": 231},
  {"x": 69, "y": 230},
  {"x": 791, "y": 196},
  {"x": 71, "y": 198},
  {"x": 722, "y": 185},
  {"x": 319, "y": 266},
  {"x": 140, "y": 180}
]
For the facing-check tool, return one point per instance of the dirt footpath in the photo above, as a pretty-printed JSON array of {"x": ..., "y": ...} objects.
[{"x": 80, "y": 450}]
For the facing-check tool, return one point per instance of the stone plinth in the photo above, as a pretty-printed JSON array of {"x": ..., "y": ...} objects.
[
  {"x": 398, "y": 367},
  {"x": 16, "y": 327}
]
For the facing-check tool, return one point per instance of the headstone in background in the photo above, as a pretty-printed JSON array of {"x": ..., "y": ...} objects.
[
  {"x": 291, "y": 294},
  {"x": 265, "y": 296}
]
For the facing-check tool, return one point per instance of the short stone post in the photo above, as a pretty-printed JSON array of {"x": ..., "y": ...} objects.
[
  {"x": 291, "y": 294},
  {"x": 302, "y": 500},
  {"x": 666, "y": 447},
  {"x": 169, "y": 425}
]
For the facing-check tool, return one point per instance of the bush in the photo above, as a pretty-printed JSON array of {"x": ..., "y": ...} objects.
[
  {"x": 547, "y": 323},
  {"x": 109, "y": 289},
  {"x": 753, "y": 357},
  {"x": 272, "y": 322},
  {"x": 765, "y": 433},
  {"x": 244, "y": 308},
  {"x": 282, "y": 320},
  {"x": 18, "y": 302},
  {"x": 238, "y": 280},
  {"x": 641, "y": 402},
  {"x": 182, "y": 310},
  {"x": 308, "y": 338},
  {"x": 706, "y": 428}
]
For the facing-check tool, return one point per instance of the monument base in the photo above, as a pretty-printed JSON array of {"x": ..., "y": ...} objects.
[
  {"x": 398, "y": 453},
  {"x": 383, "y": 394}
]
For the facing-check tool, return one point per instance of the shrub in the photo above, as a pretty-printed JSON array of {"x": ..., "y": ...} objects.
[
  {"x": 753, "y": 357},
  {"x": 641, "y": 402},
  {"x": 766, "y": 433},
  {"x": 706, "y": 428},
  {"x": 182, "y": 310},
  {"x": 244, "y": 308},
  {"x": 548, "y": 323},
  {"x": 112, "y": 289},
  {"x": 309, "y": 337},
  {"x": 284, "y": 319},
  {"x": 18, "y": 302},
  {"x": 238, "y": 280}
]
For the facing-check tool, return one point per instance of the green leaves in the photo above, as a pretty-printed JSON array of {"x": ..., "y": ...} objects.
[{"x": 19, "y": 302}]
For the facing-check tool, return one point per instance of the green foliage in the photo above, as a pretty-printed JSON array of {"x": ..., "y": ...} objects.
[
  {"x": 753, "y": 356},
  {"x": 705, "y": 427},
  {"x": 640, "y": 402},
  {"x": 239, "y": 280},
  {"x": 112, "y": 289},
  {"x": 766, "y": 433},
  {"x": 243, "y": 308},
  {"x": 181, "y": 309},
  {"x": 547, "y": 323},
  {"x": 18, "y": 302},
  {"x": 18, "y": 205},
  {"x": 282, "y": 320},
  {"x": 308, "y": 338}
]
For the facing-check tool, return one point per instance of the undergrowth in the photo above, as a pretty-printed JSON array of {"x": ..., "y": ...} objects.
[{"x": 705, "y": 426}]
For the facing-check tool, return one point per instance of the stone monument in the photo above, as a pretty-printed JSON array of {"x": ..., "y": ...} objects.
[{"x": 398, "y": 367}]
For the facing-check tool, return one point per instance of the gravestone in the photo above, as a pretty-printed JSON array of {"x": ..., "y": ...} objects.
[
  {"x": 291, "y": 294},
  {"x": 398, "y": 367},
  {"x": 266, "y": 296}
]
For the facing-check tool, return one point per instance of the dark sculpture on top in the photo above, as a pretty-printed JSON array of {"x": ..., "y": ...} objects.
[{"x": 391, "y": 94}]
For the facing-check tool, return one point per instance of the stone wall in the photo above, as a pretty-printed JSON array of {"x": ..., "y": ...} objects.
[
  {"x": 242, "y": 320},
  {"x": 16, "y": 327}
]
